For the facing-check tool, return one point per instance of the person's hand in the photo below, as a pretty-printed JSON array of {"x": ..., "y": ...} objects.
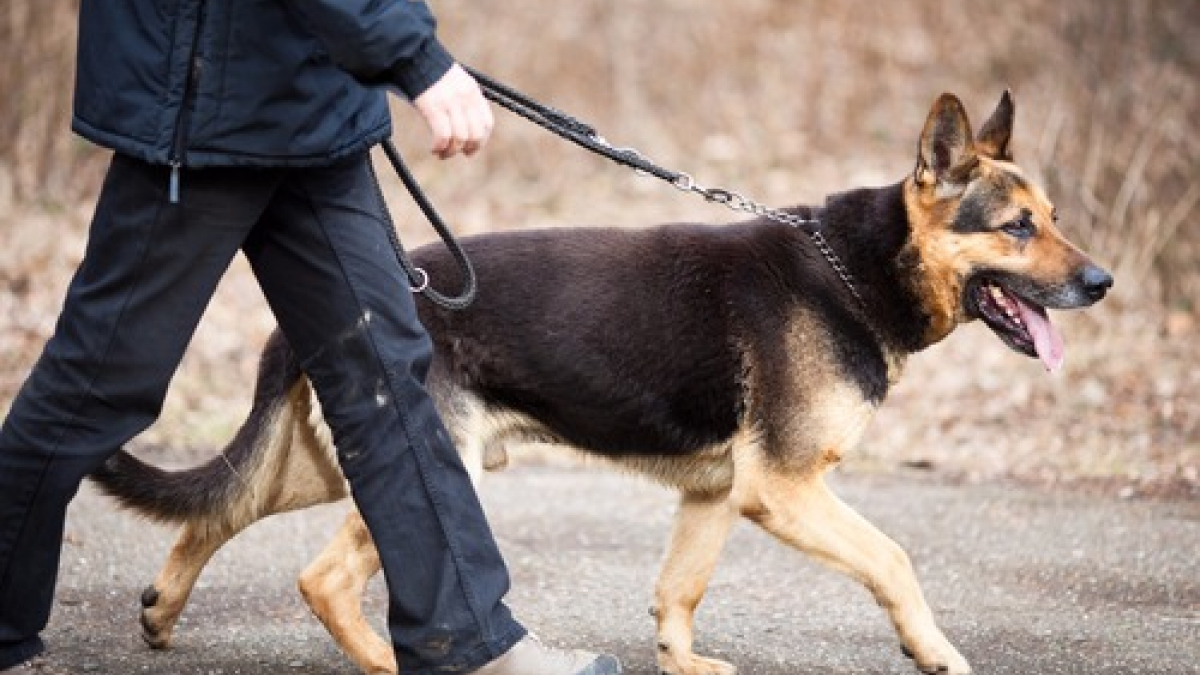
[{"x": 458, "y": 115}]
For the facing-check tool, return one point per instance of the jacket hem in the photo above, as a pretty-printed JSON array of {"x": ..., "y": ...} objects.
[{"x": 199, "y": 158}]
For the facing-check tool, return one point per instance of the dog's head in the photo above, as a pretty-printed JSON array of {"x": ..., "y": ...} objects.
[{"x": 986, "y": 236}]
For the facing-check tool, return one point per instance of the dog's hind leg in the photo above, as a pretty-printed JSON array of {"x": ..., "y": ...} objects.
[
  {"x": 292, "y": 467},
  {"x": 333, "y": 586},
  {"x": 803, "y": 512},
  {"x": 164, "y": 600},
  {"x": 702, "y": 525}
]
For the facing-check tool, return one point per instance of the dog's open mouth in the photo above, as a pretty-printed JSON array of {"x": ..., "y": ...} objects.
[{"x": 1022, "y": 324}]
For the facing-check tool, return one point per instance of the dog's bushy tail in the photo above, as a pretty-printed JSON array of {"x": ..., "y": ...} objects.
[{"x": 177, "y": 496}]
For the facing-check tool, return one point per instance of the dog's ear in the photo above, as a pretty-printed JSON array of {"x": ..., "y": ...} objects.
[
  {"x": 994, "y": 137},
  {"x": 947, "y": 152}
]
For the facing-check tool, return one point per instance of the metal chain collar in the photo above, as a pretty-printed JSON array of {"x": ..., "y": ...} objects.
[{"x": 739, "y": 202}]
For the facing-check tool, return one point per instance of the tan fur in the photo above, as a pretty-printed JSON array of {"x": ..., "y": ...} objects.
[
  {"x": 801, "y": 511},
  {"x": 333, "y": 587},
  {"x": 166, "y": 598},
  {"x": 707, "y": 472},
  {"x": 702, "y": 525},
  {"x": 297, "y": 469},
  {"x": 835, "y": 412},
  {"x": 941, "y": 288}
]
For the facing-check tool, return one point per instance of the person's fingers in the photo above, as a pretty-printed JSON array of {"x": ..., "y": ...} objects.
[
  {"x": 433, "y": 107},
  {"x": 440, "y": 129},
  {"x": 459, "y": 131},
  {"x": 471, "y": 118},
  {"x": 459, "y": 117},
  {"x": 480, "y": 122}
]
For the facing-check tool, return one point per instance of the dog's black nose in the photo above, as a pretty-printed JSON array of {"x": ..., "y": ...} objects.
[{"x": 1096, "y": 282}]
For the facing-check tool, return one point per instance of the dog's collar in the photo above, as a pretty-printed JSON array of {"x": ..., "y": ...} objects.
[{"x": 810, "y": 225}]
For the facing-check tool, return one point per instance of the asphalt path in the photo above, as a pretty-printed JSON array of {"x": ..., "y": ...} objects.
[{"x": 1023, "y": 580}]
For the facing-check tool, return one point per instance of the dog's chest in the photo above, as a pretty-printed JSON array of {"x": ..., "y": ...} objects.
[{"x": 833, "y": 422}]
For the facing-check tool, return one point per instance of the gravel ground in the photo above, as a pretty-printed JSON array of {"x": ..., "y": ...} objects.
[{"x": 1023, "y": 580}]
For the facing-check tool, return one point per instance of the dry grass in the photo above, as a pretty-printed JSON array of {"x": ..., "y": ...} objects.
[{"x": 785, "y": 100}]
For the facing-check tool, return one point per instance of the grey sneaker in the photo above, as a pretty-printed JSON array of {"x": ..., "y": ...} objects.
[{"x": 531, "y": 657}]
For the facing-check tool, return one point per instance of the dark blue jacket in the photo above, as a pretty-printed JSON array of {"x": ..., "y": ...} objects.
[{"x": 201, "y": 83}]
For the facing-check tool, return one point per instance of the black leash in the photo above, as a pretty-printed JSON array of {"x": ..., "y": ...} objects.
[
  {"x": 418, "y": 277},
  {"x": 585, "y": 135},
  {"x": 568, "y": 127},
  {"x": 582, "y": 134}
]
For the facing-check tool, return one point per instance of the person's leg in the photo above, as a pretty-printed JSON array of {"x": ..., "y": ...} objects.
[
  {"x": 147, "y": 275},
  {"x": 326, "y": 266}
]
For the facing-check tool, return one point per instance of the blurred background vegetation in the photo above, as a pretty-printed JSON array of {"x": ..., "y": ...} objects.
[{"x": 784, "y": 100}]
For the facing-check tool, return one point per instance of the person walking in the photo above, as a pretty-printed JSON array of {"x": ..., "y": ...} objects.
[{"x": 246, "y": 125}]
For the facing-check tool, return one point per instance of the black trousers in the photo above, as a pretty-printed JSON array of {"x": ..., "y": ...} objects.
[{"x": 314, "y": 239}]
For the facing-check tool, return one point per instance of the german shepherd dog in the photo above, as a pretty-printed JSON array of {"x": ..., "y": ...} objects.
[{"x": 731, "y": 362}]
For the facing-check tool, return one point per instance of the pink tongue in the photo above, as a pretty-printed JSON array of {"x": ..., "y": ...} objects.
[{"x": 1046, "y": 339}]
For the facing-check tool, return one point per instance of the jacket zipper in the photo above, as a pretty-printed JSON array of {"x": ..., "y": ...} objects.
[{"x": 183, "y": 118}]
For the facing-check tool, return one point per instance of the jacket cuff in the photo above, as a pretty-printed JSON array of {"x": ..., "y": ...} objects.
[{"x": 413, "y": 76}]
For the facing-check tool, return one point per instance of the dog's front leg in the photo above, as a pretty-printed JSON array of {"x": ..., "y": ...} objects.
[
  {"x": 333, "y": 586},
  {"x": 804, "y": 513},
  {"x": 701, "y": 528}
]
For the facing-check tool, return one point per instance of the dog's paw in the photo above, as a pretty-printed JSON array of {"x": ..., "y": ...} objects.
[
  {"x": 156, "y": 632},
  {"x": 690, "y": 664},
  {"x": 949, "y": 662},
  {"x": 152, "y": 636}
]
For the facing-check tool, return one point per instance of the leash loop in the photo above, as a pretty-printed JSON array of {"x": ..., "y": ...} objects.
[{"x": 418, "y": 278}]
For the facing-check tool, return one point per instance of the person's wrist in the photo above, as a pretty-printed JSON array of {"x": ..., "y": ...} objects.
[{"x": 413, "y": 76}]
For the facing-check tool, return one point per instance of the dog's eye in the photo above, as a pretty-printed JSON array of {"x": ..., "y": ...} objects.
[{"x": 1022, "y": 227}]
